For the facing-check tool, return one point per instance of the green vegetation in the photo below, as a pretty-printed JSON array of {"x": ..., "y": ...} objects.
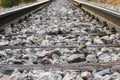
[
  {"x": 0, "y": 2},
  {"x": 29, "y": 0},
  {"x": 11, "y": 3}
]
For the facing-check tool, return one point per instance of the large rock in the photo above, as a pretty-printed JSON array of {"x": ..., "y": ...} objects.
[
  {"x": 116, "y": 75},
  {"x": 104, "y": 72},
  {"x": 56, "y": 52},
  {"x": 76, "y": 58},
  {"x": 91, "y": 58},
  {"x": 86, "y": 74},
  {"x": 3, "y": 43},
  {"x": 105, "y": 58},
  {"x": 2, "y": 54},
  {"x": 4, "y": 77},
  {"x": 49, "y": 76},
  {"x": 72, "y": 76},
  {"x": 41, "y": 53}
]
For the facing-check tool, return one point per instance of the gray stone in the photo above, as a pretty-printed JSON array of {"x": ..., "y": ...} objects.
[
  {"x": 56, "y": 51},
  {"x": 105, "y": 50},
  {"x": 107, "y": 77},
  {"x": 72, "y": 77},
  {"x": 2, "y": 54},
  {"x": 99, "y": 53},
  {"x": 49, "y": 76},
  {"x": 97, "y": 77},
  {"x": 76, "y": 58},
  {"x": 41, "y": 53},
  {"x": 104, "y": 58},
  {"x": 33, "y": 58},
  {"x": 116, "y": 75},
  {"x": 91, "y": 58},
  {"x": 104, "y": 72}
]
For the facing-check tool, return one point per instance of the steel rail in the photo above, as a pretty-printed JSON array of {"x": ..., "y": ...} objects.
[
  {"x": 14, "y": 15},
  {"x": 104, "y": 14}
]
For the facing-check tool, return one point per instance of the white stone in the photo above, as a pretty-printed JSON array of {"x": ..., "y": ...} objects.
[
  {"x": 3, "y": 43},
  {"x": 86, "y": 74}
]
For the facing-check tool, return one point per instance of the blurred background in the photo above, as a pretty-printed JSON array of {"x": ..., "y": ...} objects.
[
  {"x": 11, "y": 3},
  {"x": 110, "y": 2}
]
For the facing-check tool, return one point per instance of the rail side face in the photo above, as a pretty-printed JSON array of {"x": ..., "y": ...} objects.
[
  {"x": 7, "y": 17},
  {"x": 111, "y": 17}
]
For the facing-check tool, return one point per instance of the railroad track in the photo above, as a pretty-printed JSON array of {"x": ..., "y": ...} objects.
[
  {"x": 15, "y": 15},
  {"x": 83, "y": 42},
  {"x": 107, "y": 15}
]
